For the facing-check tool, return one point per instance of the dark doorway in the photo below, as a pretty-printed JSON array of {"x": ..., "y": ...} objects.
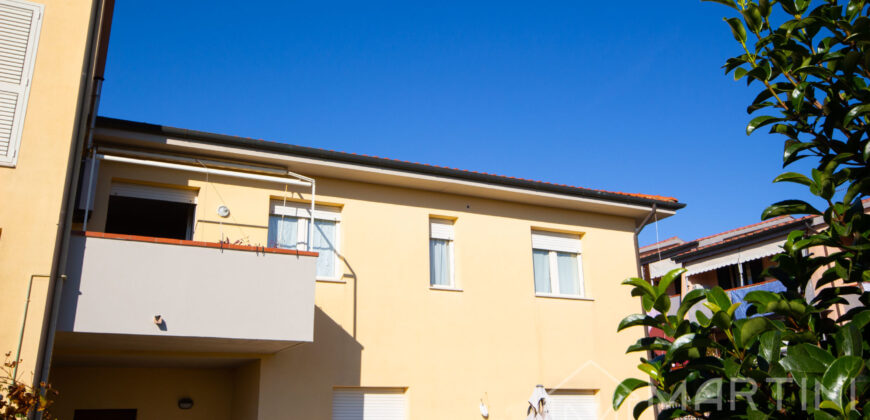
[
  {"x": 127, "y": 414},
  {"x": 144, "y": 217}
]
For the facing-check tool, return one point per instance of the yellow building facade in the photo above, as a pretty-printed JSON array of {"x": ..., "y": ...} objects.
[
  {"x": 49, "y": 64},
  {"x": 187, "y": 275}
]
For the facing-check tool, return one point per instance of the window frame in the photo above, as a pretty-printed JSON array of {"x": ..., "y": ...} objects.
[
  {"x": 553, "y": 266},
  {"x": 301, "y": 212},
  {"x": 451, "y": 253}
]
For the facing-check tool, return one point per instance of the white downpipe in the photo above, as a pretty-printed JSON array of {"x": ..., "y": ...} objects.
[
  {"x": 206, "y": 170},
  {"x": 311, "y": 221},
  {"x": 90, "y": 191}
]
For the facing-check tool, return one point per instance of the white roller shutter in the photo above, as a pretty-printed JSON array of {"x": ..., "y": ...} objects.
[
  {"x": 303, "y": 210},
  {"x": 369, "y": 404},
  {"x": 19, "y": 35},
  {"x": 573, "y": 406},
  {"x": 441, "y": 229},
  {"x": 552, "y": 241},
  {"x": 177, "y": 195}
]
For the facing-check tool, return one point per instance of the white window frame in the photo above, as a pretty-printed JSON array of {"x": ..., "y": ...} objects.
[
  {"x": 11, "y": 158},
  {"x": 302, "y": 213},
  {"x": 554, "y": 243},
  {"x": 449, "y": 236}
]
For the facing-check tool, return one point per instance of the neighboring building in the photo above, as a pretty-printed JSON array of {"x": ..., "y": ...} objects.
[
  {"x": 50, "y": 62},
  {"x": 733, "y": 260},
  {"x": 165, "y": 273}
]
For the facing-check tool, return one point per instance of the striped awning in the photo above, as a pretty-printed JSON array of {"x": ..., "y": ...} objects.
[{"x": 741, "y": 255}]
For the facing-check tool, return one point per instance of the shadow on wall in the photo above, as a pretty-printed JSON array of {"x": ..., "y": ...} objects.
[{"x": 298, "y": 382}]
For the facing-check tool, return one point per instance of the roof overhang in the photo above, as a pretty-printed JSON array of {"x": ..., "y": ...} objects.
[{"x": 337, "y": 165}]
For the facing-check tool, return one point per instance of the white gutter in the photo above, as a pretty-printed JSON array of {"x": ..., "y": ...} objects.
[{"x": 205, "y": 170}]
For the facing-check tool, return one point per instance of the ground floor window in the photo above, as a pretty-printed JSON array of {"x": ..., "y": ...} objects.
[{"x": 369, "y": 404}]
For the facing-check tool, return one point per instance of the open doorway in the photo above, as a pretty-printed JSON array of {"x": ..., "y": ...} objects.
[{"x": 146, "y": 210}]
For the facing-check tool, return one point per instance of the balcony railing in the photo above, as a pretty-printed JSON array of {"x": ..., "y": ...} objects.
[{"x": 213, "y": 296}]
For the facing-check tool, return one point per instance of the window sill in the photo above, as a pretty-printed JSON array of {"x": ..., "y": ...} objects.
[
  {"x": 569, "y": 297},
  {"x": 445, "y": 289},
  {"x": 329, "y": 280}
]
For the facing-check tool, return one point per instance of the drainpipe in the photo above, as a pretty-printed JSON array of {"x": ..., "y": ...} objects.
[
  {"x": 650, "y": 354},
  {"x": 55, "y": 288}
]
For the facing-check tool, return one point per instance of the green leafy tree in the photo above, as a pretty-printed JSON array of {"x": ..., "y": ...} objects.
[{"x": 791, "y": 358}]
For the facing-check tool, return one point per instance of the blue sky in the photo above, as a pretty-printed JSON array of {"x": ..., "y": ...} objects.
[{"x": 621, "y": 96}]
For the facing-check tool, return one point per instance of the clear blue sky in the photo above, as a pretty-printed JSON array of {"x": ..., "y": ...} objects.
[{"x": 623, "y": 96}]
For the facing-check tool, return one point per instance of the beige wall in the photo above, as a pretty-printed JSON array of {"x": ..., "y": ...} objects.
[
  {"x": 384, "y": 327},
  {"x": 31, "y": 193}
]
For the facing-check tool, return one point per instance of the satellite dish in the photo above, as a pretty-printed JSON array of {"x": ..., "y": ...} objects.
[
  {"x": 483, "y": 410},
  {"x": 223, "y": 211}
]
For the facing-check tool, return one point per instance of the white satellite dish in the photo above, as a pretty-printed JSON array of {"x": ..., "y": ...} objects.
[{"x": 223, "y": 211}]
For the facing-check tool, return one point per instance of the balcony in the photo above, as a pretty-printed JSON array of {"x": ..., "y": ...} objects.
[{"x": 140, "y": 293}]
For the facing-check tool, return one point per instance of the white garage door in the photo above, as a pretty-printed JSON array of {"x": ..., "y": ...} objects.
[
  {"x": 573, "y": 406},
  {"x": 369, "y": 404}
]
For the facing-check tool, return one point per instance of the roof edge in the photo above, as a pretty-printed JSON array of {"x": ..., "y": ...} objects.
[{"x": 372, "y": 161}]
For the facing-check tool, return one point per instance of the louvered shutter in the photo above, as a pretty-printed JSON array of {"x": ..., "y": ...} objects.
[
  {"x": 369, "y": 404},
  {"x": 19, "y": 33},
  {"x": 574, "y": 406}
]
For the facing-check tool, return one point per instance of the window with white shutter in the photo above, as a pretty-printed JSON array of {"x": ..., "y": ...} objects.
[
  {"x": 557, "y": 264},
  {"x": 441, "y": 266},
  {"x": 19, "y": 34},
  {"x": 369, "y": 404}
]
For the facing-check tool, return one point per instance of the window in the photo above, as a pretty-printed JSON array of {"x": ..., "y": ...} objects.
[
  {"x": 572, "y": 405},
  {"x": 19, "y": 23},
  {"x": 369, "y": 404},
  {"x": 151, "y": 211},
  {"x": 441, "y": 271},
  {"x": 288, "y": 228},
  {"x": 557, "y": 264}
]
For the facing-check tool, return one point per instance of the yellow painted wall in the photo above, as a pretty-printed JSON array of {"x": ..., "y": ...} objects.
[
  {"x": 153, "y": 392},
  {"x": 384, "y": 327},
  {"x": 31, "y": 192}
]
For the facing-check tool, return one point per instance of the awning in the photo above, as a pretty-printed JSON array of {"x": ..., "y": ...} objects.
[
  {"x": 660, "y": 268},
  {"x": 741, "y": 255}
]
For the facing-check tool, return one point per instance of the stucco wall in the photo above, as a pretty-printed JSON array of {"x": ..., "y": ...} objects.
[
  {"x": 384, "y": 327},
  {"x": 31, "y": 192}
]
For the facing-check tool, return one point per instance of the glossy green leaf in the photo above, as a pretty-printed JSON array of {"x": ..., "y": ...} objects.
[
  {"x": 849, "y": 341},
  {"x": 642, "y": 285},
  {"x": 760, "y": 121},
  {"x": 746, "y": 330},
  {"x": 737, "y": 28},
  {"x": 637, "y": 319},
  {"x": 688, "y": 301},
  {"x": 839, "y": 375},
  {"x": 793, "y": 177},
  {"x": 854, "y": 112},
  {"x": 788, "y": 207},
  {"x": 669, "y": 278},
  {"x": 718, "y": 297},
  {"x": 624, "y": 389}
]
